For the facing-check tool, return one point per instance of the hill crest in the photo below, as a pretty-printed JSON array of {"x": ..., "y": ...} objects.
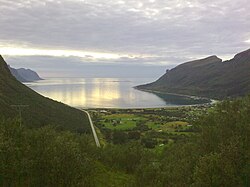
[
  {"x": 24, "y": 75},
  {"x": 207, "y": 77}
]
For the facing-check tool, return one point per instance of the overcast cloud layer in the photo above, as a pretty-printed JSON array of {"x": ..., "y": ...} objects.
[{"x": 161, "y": 31}]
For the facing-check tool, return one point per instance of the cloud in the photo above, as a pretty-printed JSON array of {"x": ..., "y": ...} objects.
[
  {"x": 48, "y": 66},
  {"x": 169, "y": 31}
]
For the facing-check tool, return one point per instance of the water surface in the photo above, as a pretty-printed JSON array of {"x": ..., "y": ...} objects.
[{"x": 105, "y": 93}]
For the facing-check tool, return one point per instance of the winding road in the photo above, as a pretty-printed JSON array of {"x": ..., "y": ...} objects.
[{"x": 93, "y": 129}]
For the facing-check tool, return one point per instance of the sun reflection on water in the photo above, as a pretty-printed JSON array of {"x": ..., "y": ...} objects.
[{"x": 97, "y": 92}]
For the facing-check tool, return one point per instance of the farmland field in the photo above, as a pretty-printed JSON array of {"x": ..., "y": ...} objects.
[{"x": 153, "y": 128}]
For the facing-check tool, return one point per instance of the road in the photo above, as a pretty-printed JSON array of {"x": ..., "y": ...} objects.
[{"x": 93, "y": 129}]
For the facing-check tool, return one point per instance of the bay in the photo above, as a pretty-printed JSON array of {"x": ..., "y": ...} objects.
[{"x": 107, "y": 93}]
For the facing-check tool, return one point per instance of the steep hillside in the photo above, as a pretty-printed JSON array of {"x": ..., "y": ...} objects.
[
  {"x": 40, "y": 111},
  {"x": 24, "y": 75},
  {"x": 209, "y": 77}
]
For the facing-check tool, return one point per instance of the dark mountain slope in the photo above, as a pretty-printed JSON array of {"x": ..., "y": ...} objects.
[
  {"x": 209, "y": 77},
  {"x": 41, "y": 111}
]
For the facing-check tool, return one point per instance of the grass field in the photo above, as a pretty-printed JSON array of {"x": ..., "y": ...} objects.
[
  {"x": 121, "y": 121},
  {"x": 168, "y": 126},
  {"x": 154, "y": 128}
]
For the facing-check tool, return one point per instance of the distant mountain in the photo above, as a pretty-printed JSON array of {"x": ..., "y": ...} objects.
[
  {"x": 40, "y": 110},
  {"x": 209, "y": 77},
  {"x": 24, "y": 75}
]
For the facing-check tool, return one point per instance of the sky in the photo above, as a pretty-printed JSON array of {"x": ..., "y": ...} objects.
[{"x": 52, "y": 35}]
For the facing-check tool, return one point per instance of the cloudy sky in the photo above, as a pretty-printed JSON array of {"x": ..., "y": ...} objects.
[{"x": 52, "y": 33}]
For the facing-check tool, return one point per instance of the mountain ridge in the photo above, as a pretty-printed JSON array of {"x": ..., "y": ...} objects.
[
  {"x": 24, "y": 75},
  {"x": 207, "y": 77}
]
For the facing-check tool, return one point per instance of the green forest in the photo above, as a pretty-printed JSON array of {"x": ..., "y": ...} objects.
[{"x": 216, "y": 154}]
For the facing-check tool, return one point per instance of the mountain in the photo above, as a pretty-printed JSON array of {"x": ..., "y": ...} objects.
[
  {"x": 24, "y": 75},
  {"x": 14, "y": 72},
  {"x": 208, "y": 77},
  {"x": 40, "y": 110}
]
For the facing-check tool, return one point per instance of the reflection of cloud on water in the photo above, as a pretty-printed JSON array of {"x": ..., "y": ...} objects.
[
  {"x": 97, "y": 92},
  {"x": 66, "y": 95},
  {"x": 104, "y": 92}
]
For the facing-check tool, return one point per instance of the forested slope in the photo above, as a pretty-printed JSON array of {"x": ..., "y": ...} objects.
[
  {"x": 40, "y": 111},
  {"x": 217, "y": 154}
]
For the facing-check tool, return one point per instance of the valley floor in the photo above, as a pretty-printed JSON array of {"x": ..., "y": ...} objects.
[{"x": 153, "y": 128}]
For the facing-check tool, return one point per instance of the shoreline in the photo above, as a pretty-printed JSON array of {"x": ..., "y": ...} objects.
[
  {"x": 169, "y": 93},
  {"x": 144, "y": 108},
  {"x": 141, "y": 108},
  {"x": 211, "y": 102}
]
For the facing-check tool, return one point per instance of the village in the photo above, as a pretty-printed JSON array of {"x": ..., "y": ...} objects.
[{"x": 154, "y": 128}]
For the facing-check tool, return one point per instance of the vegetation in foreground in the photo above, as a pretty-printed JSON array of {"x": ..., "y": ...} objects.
[{"x": 216, "y": 155}]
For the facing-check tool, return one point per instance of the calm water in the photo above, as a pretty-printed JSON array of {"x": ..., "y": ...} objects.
[{"x": 105, "y": 93}]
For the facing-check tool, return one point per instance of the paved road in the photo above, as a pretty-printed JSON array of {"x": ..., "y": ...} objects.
[{"x": 93, "y": 129}]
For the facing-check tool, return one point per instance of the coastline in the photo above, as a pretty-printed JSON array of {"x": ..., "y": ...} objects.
[
  {"x": 147, "y": 108},
  {"x": 212, "y": 101}
]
